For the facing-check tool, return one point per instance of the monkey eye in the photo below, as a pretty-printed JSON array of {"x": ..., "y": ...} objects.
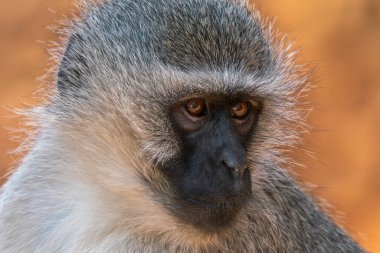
[
  {"x": 196, "y": 107},
  {"x": 240, "y": 110}
]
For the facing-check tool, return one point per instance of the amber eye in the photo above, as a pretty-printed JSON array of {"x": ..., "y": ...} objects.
[
  {"x": 196, "y": 107},
  {"x": 240, "y": 110}
]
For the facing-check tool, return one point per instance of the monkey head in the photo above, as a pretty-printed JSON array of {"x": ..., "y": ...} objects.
[{"x": 197, "y": 106}]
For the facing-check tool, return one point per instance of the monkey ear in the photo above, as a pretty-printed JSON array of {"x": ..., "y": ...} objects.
[{"x": 73, "y": 66}]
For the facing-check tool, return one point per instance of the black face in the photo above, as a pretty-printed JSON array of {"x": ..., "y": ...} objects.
[{"x": 211, "y": 177}]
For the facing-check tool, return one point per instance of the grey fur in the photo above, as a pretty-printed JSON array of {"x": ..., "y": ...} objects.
[{"x": 90, "y": 182}]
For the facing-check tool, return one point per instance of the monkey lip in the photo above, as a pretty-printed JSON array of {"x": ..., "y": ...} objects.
[
  {"x": 215, "y": 204},
  {"x": 210, "y": 214}
]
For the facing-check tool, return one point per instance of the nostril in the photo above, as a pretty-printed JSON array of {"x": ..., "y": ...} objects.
[
  {"x": 236, "y": 170},
  {"x": 229, "y": 169}
]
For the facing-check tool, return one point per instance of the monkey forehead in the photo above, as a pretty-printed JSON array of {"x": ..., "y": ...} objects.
[
  {"x": 165, "y": 86},
  {"x": 165, "y": 49},
  {"x": 184, "y": 34},
  {"x": 212, "y": 35}
]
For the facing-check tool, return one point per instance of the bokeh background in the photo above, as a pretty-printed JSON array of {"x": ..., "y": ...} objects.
[{"x": 339, "y": 40}]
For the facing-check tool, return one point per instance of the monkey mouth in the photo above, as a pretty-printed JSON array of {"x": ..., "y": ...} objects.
[
  {"x": 232, "y": 204},
  {"x": 210, "y": 214}
]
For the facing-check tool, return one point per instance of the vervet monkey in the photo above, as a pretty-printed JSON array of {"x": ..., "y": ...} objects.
[{"x": 166, "y": 134}]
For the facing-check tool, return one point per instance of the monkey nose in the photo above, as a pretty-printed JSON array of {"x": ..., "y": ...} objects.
[{"x": 235, "y": 168}]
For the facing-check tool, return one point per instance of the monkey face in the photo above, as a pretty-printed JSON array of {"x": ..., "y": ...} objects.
[{"x": 211, "y": 176}]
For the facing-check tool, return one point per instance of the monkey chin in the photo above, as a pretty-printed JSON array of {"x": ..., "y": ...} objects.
[{"x": 213, "y": 216}]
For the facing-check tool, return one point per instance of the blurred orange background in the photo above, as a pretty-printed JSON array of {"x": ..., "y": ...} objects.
[{"x": 339, "y": 39}]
